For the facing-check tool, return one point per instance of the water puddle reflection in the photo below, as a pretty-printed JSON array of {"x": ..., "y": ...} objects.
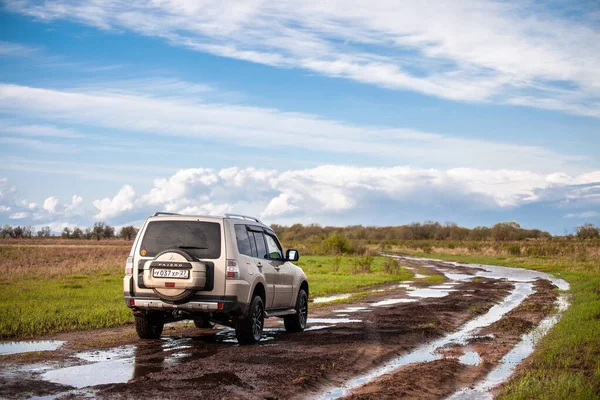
[
  {"x": 429, "y": 351},
  {"x": 7, "y": 348},
  {"x": 328, "y": 299}
]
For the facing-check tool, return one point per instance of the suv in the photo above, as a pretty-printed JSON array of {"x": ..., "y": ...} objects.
[{"x": 229, "y": 270}]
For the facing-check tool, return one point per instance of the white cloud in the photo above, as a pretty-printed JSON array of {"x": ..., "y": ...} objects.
[
  {"x": 264, "y": 128},
  {"x": 39, "y": 130},
  {"x": 19, "y": 215},
  {"x": 16, "y": 49},
  {"x": 123, "y": 201},
  {"x": 517, "y": 53},
  {"x": 4, "y": 208},
  {"x": 332, "y": 189},
  {"x": 50, "y": 204},
  {"x": 586, "y": 214}
]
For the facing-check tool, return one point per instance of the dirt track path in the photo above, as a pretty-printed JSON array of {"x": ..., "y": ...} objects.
[{"x": 416, "y": 340}]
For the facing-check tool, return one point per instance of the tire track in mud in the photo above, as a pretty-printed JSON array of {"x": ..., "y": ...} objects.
[{"x": 343, "y": 342}]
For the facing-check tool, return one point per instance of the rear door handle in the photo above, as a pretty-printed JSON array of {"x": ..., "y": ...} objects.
[{"x": 277, "y": 267}]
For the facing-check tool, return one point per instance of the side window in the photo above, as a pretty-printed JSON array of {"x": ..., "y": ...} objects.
[
  {"x": 260, "y": 244},
  {"x": 275, "y": 252},
  {"x": 243, "y": 242}
]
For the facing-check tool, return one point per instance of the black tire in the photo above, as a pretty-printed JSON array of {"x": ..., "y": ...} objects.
[
  {"x": 297, "y": 322},
  {"x": 248, "y": 330},
  {"x": 203, "y": 323},
  {"x": 186, "y": 295},
  {"x": 149, "y": 326}
]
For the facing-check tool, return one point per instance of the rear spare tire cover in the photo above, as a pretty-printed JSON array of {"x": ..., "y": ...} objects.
[{"x": 174, "y": 295}]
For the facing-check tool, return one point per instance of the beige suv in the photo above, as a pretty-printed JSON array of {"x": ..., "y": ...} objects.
[{"x": 228, "y": 270}]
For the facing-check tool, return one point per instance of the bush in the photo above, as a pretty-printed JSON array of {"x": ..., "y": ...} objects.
[
  {"x": 391, "y": 266},
  {"x": 337, "y": 260},
  {"x": 514, "y": 250},
  {"x": 362, "y": 265}
]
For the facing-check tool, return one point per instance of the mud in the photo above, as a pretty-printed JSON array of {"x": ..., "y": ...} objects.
[{"x": 377, "y": 330}]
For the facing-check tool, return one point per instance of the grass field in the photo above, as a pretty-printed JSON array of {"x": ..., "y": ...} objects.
[
  {"x": 324, "y": 281},
  {"x": 54, "y": 286},
  {"x": 566, "y": 363}
]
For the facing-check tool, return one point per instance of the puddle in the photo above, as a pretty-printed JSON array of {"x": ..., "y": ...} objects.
[
  {"x": 421, "y": 276},
  {"x": 328, "y": 299},
  {"x": 458, "y": 277},
  {"x": 121, "y": 364},
  {"x": 511, "y": 359},
  {"x": 28, "y": 346},
  {"x": 318, "y": 327},
  {"x": 332, "y": 320},
  {"x": 390, "y": 302},
  {"x": 404, "y": 286},
  {"x": 470, "y": 358},
  {"x": 352, "y": 309},
  {"x": 428, "y": 352},
  {"x": 80, "y": 376},
  {"x": 442, "y": 287},
  {"x": 429, "y": 292}
]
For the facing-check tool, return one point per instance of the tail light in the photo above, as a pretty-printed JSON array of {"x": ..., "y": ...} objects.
[
  {"x": 129, "y": 266},
  {"x": 232, "y": 270}
]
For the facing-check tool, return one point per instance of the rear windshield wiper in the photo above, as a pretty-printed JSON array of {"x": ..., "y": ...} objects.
[{"x": 192, "y": 247}]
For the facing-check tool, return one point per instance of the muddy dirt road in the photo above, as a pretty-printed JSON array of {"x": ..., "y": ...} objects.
[{"x": 460, "y": 337}]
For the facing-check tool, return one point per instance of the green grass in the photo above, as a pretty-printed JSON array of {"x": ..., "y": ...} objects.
[
  {"x": 566, "y": 362},
  {"x": 31, "y": 307},
  {"x": 323, "y": 281}
]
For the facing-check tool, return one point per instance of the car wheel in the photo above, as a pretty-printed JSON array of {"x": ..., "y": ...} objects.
[
  {"x": 248, "y": 330},
  {"x": 297, "y": 322},
  {"x": 149, "y": 326},
  {"x": 203, "y": 322}
]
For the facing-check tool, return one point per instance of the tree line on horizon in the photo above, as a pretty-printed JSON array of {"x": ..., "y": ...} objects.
[
  {"x": 428, "y": 230},
  {"x": 99, "y": 231}
]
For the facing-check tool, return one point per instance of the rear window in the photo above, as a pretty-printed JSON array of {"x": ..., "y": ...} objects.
[{"x": 200, "y": 239}]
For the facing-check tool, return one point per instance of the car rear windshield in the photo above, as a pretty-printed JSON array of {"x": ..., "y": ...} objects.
[{"x": 200, "y": 239}]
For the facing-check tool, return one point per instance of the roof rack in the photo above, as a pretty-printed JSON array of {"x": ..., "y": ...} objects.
[
  {"x": 156, "y": 214},
  {"x": 240, "y": 216}
]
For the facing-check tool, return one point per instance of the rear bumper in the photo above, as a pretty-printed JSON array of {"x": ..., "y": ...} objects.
[{"x": 198, "y": 304}]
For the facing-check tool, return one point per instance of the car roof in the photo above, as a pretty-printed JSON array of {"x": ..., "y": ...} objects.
[{"x": 235, "y": 217}]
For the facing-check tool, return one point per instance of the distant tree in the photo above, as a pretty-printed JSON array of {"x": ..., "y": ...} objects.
[
  {"x": 98, "y": 230},
  {"x": 89, "y": 233},
  {"x": 7, "y": 231},
  {"x": 128, "y": 232},
  {"x": 44, "y": 232},
  {"x": 587, "y": 231},
  {"x": 28, "y": 231},
  {"x": 17, "y": 232},
  {"x": 77, "y": 233},
  {"x": 109, "y": 232},
  {"x": 480, "y": 233},
  {"x": 505, "y": 231},
  {"x": 66, "y": 233}
]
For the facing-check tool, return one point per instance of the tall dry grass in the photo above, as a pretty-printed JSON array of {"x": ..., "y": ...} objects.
[{"x": 50, "y": 261}]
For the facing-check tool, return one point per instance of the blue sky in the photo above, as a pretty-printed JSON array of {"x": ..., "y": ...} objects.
[{"x": 300, "y": 112}]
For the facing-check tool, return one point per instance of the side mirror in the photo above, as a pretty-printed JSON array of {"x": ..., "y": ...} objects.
[{"x": 292, "y": 255}]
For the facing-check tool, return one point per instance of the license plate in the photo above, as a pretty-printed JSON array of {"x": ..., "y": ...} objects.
[{"x": 171, "y": 273}]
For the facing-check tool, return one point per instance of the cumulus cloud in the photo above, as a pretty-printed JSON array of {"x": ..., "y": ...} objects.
[
  {"x": 19, "y": 215},
  {"x": 50, "y": 204},
  {"x": 517, "y": 53},
  {"x": 121, "y": 202},
  {"x": 334, "y": 189}
]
